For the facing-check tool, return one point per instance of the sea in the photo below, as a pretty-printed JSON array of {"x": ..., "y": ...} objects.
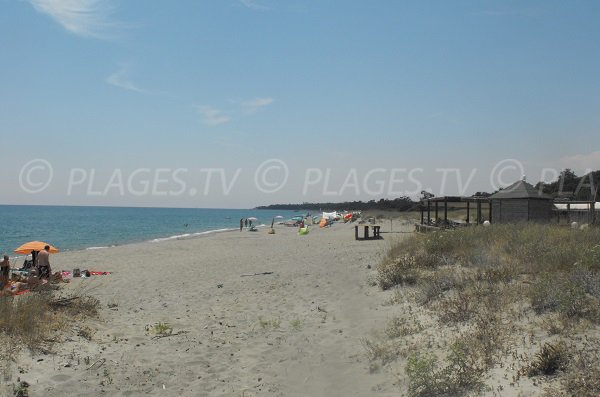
[{"x": 78, "y": 228}]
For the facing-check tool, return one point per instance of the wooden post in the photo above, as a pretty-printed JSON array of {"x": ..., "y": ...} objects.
[
  {"x": 478, "y": 212},
  {"x": 428, "y": 211},
  {"x": 356, "y": 232},
  {"x": 422, "y": 213},
  {"x": 490, "y": 211},
  {"x": 593, "y": 205},
  {"x": 436, "y": 212},
  {"x": 468, "y": 211},
  {"x": 445, "y": 210}
]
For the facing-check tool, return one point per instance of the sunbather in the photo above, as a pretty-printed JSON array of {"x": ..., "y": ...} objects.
[{"x": 4, "y": 270}]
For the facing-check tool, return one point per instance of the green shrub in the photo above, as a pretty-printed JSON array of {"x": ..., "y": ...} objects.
[
  {"x": 571, "y": 294},
  {"x": 423, "y": 378},
  {"x": 399, "y": 271},
  {"x": 464, "y": 371},
  {"x": 550, "y": 359},
  {"x": 462, "y": 374},
  {"x": 434, "y": 284}
]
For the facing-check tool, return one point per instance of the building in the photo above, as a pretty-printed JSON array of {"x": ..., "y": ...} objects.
[{"x": 521, "y": 202}]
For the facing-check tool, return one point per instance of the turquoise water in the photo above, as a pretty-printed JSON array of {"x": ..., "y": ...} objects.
[{"x": 72, "y": 228}]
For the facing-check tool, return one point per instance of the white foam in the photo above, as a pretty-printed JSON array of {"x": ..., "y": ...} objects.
[{"x": 189, "y": 235}]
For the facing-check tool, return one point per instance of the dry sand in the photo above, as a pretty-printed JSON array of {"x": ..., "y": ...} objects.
[{"x": 295, "y": 332}]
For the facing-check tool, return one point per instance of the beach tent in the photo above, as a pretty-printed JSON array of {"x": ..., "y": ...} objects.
[
  {"x": 329, "y": 215},
  {"x": 27, "y": 248}
]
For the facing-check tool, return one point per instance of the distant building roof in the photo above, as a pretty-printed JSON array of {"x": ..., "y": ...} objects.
[{"x": 519, "y": 190}]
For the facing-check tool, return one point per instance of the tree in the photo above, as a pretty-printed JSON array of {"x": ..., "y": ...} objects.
[{"x": 426, "y": 195}]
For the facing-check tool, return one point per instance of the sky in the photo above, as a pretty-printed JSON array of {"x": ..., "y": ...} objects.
[{"x": 239, "y": 103}]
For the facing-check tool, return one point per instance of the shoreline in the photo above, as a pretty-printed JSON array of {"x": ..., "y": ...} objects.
[{"x": 185, "y": 236}]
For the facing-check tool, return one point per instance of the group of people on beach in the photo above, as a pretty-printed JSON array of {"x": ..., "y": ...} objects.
[
  {"x": 39, "y": 269},
  {"x": 245, "y": 222}
]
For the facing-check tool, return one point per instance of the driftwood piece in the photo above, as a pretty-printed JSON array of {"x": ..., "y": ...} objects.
[
  {"x": 256, "y": 274},
  {"x": 167, "y": 335},
  {"x": 101, "y": 361}
]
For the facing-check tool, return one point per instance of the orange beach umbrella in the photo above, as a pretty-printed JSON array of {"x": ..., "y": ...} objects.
[{"x": 34, "y": 246}]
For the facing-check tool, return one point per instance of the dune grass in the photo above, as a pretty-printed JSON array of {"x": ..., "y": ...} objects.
[
  {"x": 35, "y": 319},
  {"x": 490, "y": 285}
]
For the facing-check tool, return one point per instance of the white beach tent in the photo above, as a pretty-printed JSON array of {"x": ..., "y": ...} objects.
[{"x": 329, "y": 215}]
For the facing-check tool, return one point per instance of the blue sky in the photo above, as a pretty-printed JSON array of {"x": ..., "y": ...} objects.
[{"x": 109, "y": 85}]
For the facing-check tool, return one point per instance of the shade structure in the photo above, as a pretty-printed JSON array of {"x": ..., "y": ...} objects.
[{"x": 27, "y": 248}]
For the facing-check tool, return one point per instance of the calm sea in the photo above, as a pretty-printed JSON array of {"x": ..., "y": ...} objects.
[{"x": 72, "y": 228}]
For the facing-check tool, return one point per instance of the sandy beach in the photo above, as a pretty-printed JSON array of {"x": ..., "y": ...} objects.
[{"x": 249, "y": 314}]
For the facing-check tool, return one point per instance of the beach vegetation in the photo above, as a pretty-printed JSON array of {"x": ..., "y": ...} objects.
[
  {"x": 269, "y": 323},
  {"x": 36, "y": 319},
  {"x": 426, "y": 378},
  {"x": 296, "y": 324},
  {"x": 485, "y": 286},
  {"x": 551, "y": 358},
  {"x": 381, "y": 351},
  {"x": 400, "y": 327},
  {"x": 160, "y": 328}
]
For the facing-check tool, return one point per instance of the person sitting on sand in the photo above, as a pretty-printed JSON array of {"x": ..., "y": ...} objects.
[
  {"x": 4, "y": 270},
  {"x": 43, "y": 263}
]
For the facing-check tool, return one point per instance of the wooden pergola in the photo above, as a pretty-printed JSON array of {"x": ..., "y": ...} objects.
[
  {"x": 478, "y": 202},
  {"x": 591, "y": 209}
]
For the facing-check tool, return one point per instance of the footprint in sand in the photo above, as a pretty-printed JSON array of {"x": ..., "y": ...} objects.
[{"x": 60, "y": 378}]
